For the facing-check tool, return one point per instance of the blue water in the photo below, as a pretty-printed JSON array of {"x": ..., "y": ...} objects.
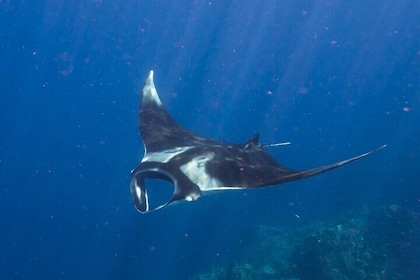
[{"x": 334, "y": 78}]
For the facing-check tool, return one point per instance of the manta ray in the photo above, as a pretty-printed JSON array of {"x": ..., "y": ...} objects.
[{"x": 195, "y": 165}]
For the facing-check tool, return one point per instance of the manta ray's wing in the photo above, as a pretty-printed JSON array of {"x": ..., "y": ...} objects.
[
  {"x": 250, "y": 166},
  {"x": 164, "y": 142},
  {"x": 159, "y": 131}
]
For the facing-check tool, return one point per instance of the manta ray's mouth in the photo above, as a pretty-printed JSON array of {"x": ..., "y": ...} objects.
[{"x": 150, "y": 190}]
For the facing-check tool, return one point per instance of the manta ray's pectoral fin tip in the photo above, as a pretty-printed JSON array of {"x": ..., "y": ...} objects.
[
  {"x": 149, "y": 90},
  {"x": 148, "y": 82},
  {"x": 361, "y": 156},
  {"x": 373, "y": 151},
  {"x": 150, "y": 76}
]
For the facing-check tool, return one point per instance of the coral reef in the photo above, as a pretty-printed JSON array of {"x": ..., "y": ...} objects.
[{"x": 381, "y": 243}]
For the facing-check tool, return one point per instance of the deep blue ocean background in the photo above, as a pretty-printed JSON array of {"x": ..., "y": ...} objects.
[{"x": 336, "y": 78}]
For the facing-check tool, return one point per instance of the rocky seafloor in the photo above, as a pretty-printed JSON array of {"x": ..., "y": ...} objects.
[{"x": 380, "y": 243}]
